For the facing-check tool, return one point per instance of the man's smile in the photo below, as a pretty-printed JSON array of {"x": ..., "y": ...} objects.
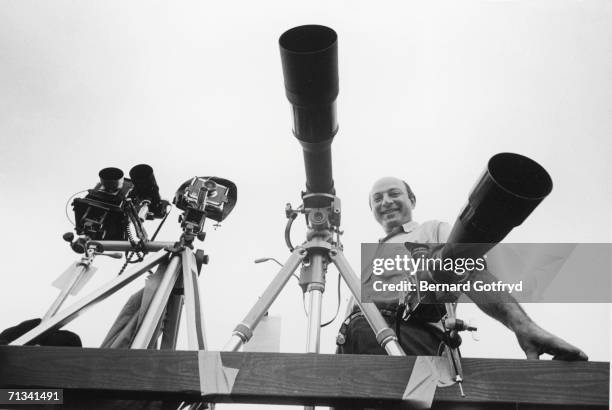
[{"x": 389, "y": 212}]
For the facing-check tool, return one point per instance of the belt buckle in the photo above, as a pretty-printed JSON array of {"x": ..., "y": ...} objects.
[
  {"x": 406, "y": 305},
  {"x": 407, "y": 312}
]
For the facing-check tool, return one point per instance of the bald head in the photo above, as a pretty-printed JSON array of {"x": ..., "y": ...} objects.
[{"x": 392, "y": 202}]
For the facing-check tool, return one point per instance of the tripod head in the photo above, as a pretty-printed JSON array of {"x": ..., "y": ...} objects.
[{"x": 322, "y": 213}]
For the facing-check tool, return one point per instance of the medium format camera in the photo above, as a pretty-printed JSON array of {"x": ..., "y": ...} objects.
[{"x": 107, "y": 210}]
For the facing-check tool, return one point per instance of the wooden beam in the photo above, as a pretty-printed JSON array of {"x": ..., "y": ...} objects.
[{"x": 283, "y": 378}]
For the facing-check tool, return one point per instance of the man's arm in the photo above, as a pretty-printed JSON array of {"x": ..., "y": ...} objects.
[
  {"x": 532, "y": 338},
  {"x": 503, "y": 307}
]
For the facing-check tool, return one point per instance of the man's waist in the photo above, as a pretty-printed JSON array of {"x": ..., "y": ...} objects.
[{"x": 431, "y": 313}]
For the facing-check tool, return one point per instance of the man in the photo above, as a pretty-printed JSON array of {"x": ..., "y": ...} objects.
[{"x": 392, "y": 202}]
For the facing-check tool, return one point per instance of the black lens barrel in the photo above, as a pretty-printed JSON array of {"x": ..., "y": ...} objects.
[
  {"x": 145, "y": 185},
  {"x": 508, "y": 191},
  {"x": 309, "y": 56},
  {"x": 111, "y": 179}
]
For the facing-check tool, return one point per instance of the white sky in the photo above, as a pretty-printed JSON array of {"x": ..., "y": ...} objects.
[{"x": 428, "y": 92}]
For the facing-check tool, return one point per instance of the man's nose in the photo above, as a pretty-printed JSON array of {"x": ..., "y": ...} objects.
[{"x": 386, "y": 200}]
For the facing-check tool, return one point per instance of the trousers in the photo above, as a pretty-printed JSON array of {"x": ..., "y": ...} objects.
[{"x": 416, "y": 337}]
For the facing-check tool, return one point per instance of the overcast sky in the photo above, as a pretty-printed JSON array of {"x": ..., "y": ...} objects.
[{"x": 428, "y": 92}]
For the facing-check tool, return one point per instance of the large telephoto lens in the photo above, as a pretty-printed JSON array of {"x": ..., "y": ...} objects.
[
  {"x": 309, "y": 56},
  {"x": 511, "y": 187}
]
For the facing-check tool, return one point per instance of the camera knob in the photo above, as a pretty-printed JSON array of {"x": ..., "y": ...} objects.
[
  {"x": 68, "y": 236},
  {"x": 453, "y": 340},
  {"x": 201, "y": 259},
  {"x": 210, "y": 185}
]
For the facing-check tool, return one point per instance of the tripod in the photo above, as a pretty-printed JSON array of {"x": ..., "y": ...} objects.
[
  {"x": 174, "y": 282},
  {"x": 323, "y": 246}
]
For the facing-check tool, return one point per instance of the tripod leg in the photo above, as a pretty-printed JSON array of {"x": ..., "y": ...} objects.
[
  {"x": 79, "y": 270},
  {"x": 244, "y": 330},
  {"x": 65, "y": 316},
  {"x": 196, "y": 337},
  {"x": 157, "y": 306},
  {"x": 314, "y": 295},
  {"x": 164, "y": 320},
  {"x": 57, "y": 303},
  {"x": 384, "y": 335},
  {"x": 171, "y": 322},
  {"x": 126, "y": 325}
]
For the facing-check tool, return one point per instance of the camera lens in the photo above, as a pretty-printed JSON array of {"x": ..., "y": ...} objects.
[{"x": 111, "y": 179}]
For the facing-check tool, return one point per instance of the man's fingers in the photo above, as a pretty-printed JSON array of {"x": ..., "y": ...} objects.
[
  {"x": 561, "y": 350},
  {"x": 536, "y": 341},
  {"x": 577, "y": 355}
]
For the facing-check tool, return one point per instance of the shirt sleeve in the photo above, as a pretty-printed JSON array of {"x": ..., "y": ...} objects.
[{"x": 443, "y": 232}]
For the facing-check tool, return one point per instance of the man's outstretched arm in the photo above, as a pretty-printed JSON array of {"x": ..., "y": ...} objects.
[{"x": 532, "y": 338}]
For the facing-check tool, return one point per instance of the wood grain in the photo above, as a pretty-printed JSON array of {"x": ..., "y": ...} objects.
[{"x": 284, "y": 378}]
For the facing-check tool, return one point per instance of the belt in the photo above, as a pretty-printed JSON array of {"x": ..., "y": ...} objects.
[
  {"x": 385, "y": 312},
  {"x": 390, "y": 313}
]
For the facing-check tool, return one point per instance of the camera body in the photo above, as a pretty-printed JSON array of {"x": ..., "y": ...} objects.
[
  {"x": 101, "y": 215},
  {"x": 107, "y": 210},
  {"x": 204, "y": 197}
]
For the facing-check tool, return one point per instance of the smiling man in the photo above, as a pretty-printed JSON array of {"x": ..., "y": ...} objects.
[{"x": 392, "y": 202}]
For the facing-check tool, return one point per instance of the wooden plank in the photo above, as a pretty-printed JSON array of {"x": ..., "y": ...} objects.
[
  {"x": 283, "y": 378},
  {"x": 120, "y": 373}
]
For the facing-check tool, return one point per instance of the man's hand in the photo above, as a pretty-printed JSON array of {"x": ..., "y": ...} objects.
[
  {"x": 532, "y": 338},
  {"x": 536, "y": 341}
]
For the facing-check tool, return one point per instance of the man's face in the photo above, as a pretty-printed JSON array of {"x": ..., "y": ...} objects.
[{"x": 390, "y": 203}]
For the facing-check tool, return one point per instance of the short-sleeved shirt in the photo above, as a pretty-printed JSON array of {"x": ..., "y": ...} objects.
[
  {"x": 430, "y": 232},
  {"x": 427, "y": 232},
  {"x": 421, "y": 336}
]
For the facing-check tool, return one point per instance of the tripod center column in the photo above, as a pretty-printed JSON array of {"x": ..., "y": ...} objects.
[{"x": 313, "y": 280}]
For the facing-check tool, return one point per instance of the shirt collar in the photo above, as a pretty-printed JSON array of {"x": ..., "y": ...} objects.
[
  {"x": 410, "y": 226},
  {"x": 405, "y": 228}
]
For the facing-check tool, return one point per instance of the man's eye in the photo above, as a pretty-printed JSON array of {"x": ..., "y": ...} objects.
[{"x": 377, "y": 198}]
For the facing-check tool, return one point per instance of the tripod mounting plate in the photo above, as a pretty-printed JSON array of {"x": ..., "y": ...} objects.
[{"x": 317, "y": 244}]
